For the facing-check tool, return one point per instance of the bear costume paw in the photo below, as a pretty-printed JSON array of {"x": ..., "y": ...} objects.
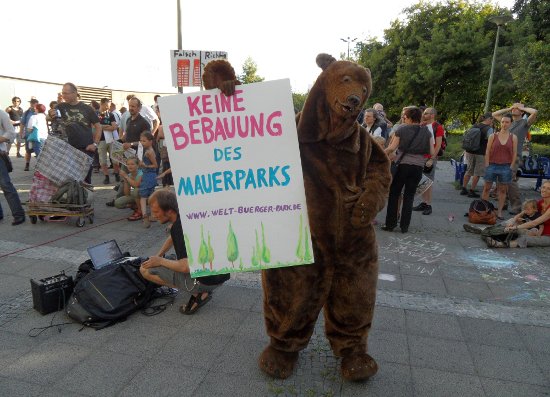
[
  {"x": 358, "y": 366},
  {"x": 277, "y": 363}
]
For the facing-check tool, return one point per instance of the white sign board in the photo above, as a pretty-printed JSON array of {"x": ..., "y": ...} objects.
[
  {"x": 238, "y": 178},
  {"x": 187, "y": 66}
]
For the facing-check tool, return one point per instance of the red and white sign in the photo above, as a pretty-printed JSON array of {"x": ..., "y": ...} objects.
[{"x": 187, "y": 66}]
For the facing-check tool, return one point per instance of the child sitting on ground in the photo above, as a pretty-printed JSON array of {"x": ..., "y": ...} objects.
[
  {"x": 149, "y": 167},
  {"x": 129, "y": 198},
  {"x": 529, "y": 213}
]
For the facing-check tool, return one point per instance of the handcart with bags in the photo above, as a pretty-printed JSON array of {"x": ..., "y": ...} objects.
[{"x": 58, "y": 192}]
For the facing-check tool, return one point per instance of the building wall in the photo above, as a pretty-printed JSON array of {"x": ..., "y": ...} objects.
[{"x": 46, "y": 92}]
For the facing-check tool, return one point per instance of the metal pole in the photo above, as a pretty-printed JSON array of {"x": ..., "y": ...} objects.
[
  {"x": 488, "y": 99},
  {"x": 348, "y": 49},
  {"x": 180, "y": 89}
]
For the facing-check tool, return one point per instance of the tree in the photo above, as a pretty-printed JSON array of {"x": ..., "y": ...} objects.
[
  {"x": 203, "y": 250},
  {"x": 188, "y": 248},
  {"x": 266, "y": 253},
  {"x": 298, "y": 101},
  {"x": 438, "y": 55},
  {"x": 232, "y": 246},
  {"x": 249, "y": 72},
  {"x": 210, "y": 252},
  {"x": 530, "y": 67}
]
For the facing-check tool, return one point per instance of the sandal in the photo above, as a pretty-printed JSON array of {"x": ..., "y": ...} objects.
[
  {"x": 136, "y": 216},
  {"x": 195, "y": 303},
  {"x": 189, "y": 305},
  {"x": 492, "y": 243}
]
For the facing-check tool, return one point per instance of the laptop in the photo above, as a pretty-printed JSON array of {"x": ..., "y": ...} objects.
[{"x": 107, "y": 253}]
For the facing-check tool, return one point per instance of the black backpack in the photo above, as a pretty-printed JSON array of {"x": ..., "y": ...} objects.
[
  {"x": 106, "y": 296},
  {"x": 471, "y": 141}
]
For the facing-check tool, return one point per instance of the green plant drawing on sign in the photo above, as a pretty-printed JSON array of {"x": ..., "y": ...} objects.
[
  {"x": 188, "y": 248},
  {"x": 266, "y": 253},
  {"x": 300, "y": 246},
  {"x": 256, "y": 252},
  {"x": 307, "y": 252},
  {"x": 203, "y": 250},
  {"x": 210, "y": 252},
  {"x": 241, "y": 263},
  {"x": 232, "y": 246}
]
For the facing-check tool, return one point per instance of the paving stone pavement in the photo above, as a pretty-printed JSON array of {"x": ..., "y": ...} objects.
[{"x": 453, "y": 318}]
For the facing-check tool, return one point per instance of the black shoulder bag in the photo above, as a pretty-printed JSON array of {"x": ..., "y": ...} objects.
[{"x": 395, "y": 163}]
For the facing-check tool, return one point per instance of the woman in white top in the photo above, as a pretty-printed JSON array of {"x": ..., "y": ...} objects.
[{"x": 38, "y": 121}]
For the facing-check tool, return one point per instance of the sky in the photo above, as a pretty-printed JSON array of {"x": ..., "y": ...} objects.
[{"x": 125, "y": 44}]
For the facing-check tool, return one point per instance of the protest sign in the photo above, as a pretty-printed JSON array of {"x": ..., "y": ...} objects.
[
  {"x": 119, "y": 154},
  {"x": 238, "y": 178}
]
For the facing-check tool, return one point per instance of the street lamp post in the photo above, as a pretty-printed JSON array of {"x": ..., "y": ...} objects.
[
  {"x": 499, "y": 20},
  {"x": 348, "y": 40},
  {"x": 180, "y": 89}
]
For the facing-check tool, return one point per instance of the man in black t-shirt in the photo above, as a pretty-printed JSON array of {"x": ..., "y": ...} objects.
[
  {"x": 15, "y": 112},
  {"x": 135, "y": 125},
  {"x": 176, "y": 273},
  {"x": 79, "y": 122}
]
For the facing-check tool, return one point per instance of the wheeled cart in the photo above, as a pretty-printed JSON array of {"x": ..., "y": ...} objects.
[{"x": 51, "y": 212}]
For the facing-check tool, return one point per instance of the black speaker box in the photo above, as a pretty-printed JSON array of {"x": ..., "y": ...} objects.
[{"x": 50, "y": 294}]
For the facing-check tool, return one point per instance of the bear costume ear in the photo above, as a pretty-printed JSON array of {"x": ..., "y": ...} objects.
[
  {"x": 220, "y": 74},
  {"x": 323, "y": 60}
]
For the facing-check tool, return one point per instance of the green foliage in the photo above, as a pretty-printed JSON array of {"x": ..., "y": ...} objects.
[
  {"x": 232, "y": 246},
  {"x": 250, "y": 70},
  {"x": 256, "y": 259},
  {"x": 210, "y": 252},
  {"x": 203, "y": 250},
  {"x": 440, "y": 55},
  {"x": 188, "y": 248},
  {"x": 298, "y": 100},
  {"x": 266, "y": 253},
  {"x": 307, "y": 252},
  {"x": 300, "y": 246},
  {"x": 531, "y": 51}
]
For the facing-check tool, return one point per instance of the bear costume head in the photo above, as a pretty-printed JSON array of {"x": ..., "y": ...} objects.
[
  {"x": 334, "y": 102},
  {"x": 220, "y": 74}
]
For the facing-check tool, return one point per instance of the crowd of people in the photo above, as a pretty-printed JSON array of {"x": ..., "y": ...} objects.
[
  {"x": 413, "y": 144},
  {"x": 92, "y": 129}
]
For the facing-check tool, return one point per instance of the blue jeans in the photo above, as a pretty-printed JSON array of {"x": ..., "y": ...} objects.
[
  {"x": 501, "y": 173},
  {"x": 10, "y": 193}
]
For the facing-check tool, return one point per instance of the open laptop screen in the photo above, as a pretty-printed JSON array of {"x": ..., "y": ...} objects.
[{"x": 104, "y": 253}]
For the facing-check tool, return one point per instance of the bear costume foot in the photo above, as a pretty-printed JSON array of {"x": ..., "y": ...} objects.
[
  {"x": 358, "y": 366},
  {"x": 277, "y": 363}
]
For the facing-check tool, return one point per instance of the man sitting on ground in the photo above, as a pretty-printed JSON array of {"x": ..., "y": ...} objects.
[{"x": 175, "y": 273}]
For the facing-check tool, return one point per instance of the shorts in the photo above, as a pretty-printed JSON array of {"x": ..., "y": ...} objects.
[
  {"x": 476, "y": 164},
  {"x": 431, "y": 174},
  {"x": 148, "y": 184},
  {"x": 501, "y": 173},
  {"x": 181, "y": 281},
  {"x": 102, "y": 149},
  {"x": 18, "y": 138}
]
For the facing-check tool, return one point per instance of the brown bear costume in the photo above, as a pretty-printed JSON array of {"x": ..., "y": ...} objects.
[
  {"x": 346, "y": 178},
  {"x": 220, "y": 74}
]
